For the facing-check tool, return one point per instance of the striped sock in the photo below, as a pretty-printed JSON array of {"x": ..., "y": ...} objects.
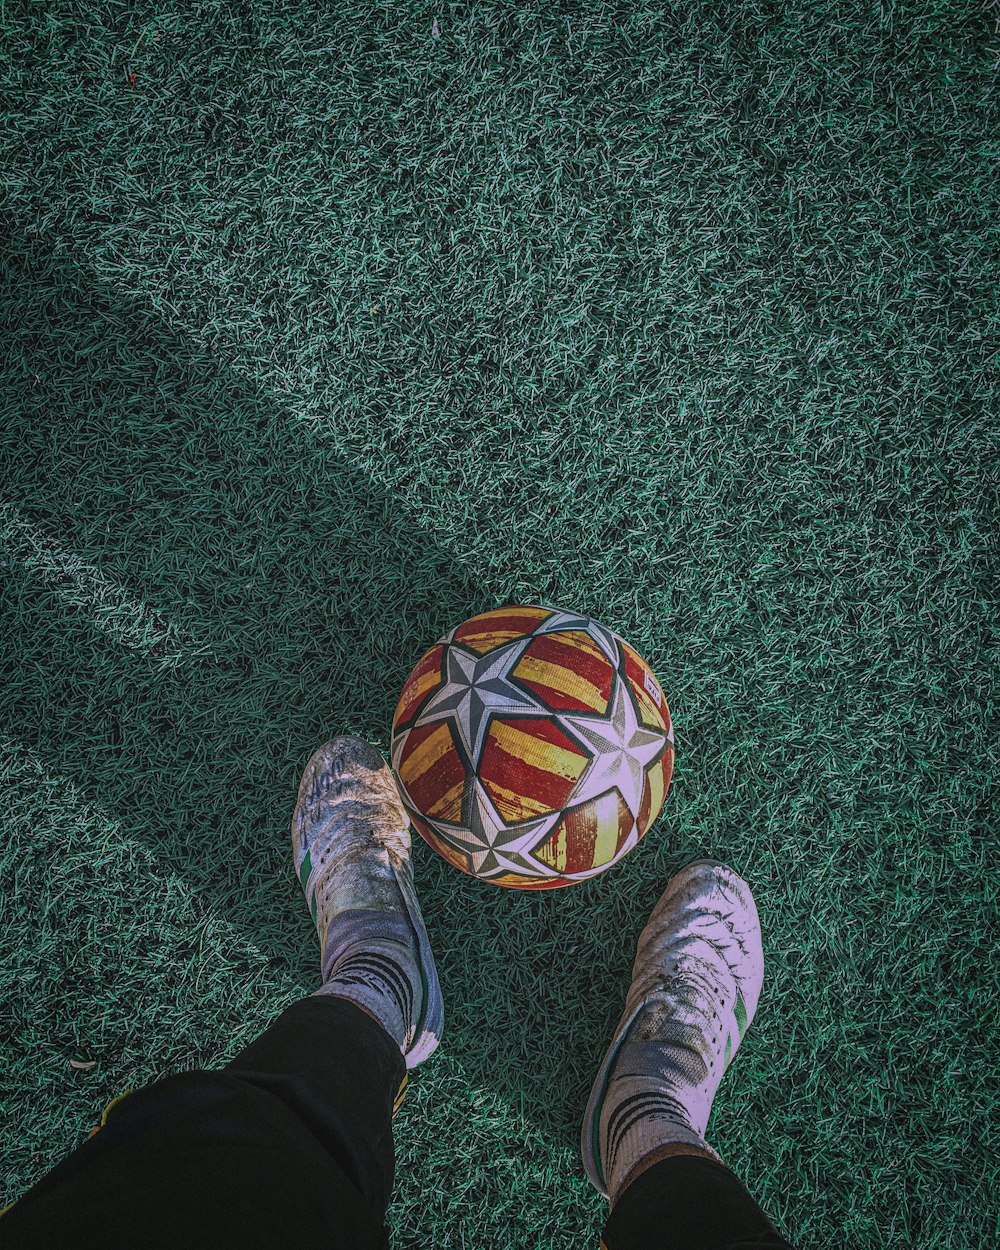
[
  {"x": 370, "y": 959},
  {"x": 660, "y": 1092}
]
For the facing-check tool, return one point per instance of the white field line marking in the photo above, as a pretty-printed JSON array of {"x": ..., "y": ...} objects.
[
  {"x": 19, "y": 765},
  {"x": 106, "y": 604}
]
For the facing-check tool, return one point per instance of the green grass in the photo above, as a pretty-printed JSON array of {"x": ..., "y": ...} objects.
[{"x": 332, "y": 329}]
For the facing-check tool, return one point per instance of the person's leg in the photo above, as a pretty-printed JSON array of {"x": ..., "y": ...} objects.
[
  {"x": 290, "y": 1144},
  {"x": 681, "y": 1201}
]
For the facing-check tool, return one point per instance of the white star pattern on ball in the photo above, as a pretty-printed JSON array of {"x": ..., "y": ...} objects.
[
  {"x": 494, "y": 848},
  {"x": 476, "y": 686},
  {"x": 620, "y": 757},
  {"x": 476, "y": 689}
]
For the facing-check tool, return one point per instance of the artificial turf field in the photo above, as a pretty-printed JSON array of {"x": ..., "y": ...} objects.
[{"x": 323, "y": 329}]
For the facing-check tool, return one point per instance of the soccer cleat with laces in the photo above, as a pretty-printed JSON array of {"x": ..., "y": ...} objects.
[{"x": 351, "y": 850}]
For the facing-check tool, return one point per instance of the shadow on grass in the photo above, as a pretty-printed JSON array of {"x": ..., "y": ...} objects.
[{"x": 297, "y": 595}]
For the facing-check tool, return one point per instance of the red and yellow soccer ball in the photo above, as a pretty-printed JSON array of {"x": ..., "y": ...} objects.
[{"x": 532, "y": 747}]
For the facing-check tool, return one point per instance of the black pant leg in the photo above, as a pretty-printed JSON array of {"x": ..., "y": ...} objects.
[
  {"x": 689, "y": 1203},
  {"x": 289, "y": 1144}
]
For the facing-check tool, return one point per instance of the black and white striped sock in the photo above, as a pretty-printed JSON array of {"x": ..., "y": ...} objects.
[
  {"x": 368, "y": 962},
  {"x": 660, "y": 1092}
]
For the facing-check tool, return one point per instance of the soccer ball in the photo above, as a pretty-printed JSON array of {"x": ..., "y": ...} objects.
[{"x": 532, "y": 747}]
